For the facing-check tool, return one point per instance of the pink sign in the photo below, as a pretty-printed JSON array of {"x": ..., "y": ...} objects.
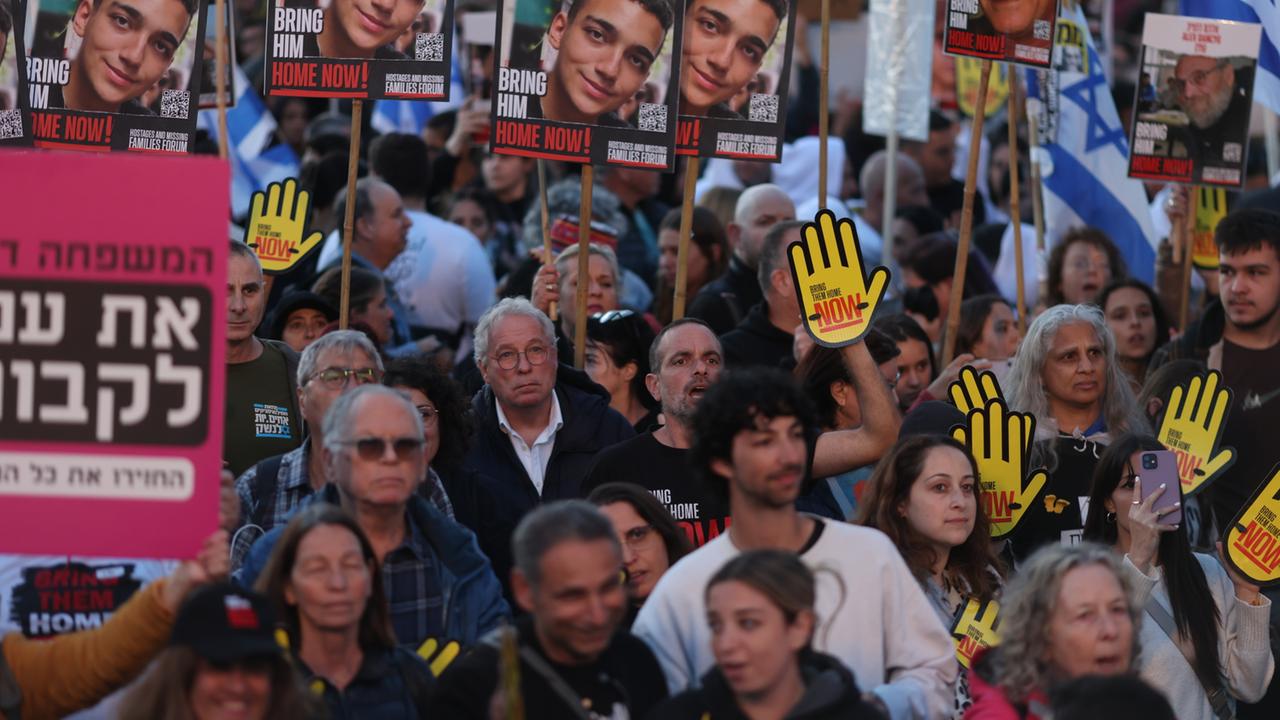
[{"x": 112, "y": 338}]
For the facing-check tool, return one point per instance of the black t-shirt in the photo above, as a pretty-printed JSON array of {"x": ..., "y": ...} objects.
[
  {"x": 1057, "y": 516},
  {"x": 624, "y": 682},
  {"x": 665, "y": 472},
  {"x": 1250, "y": 429}
]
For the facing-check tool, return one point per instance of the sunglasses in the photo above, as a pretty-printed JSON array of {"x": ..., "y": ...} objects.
[{"x": 373, "y": 449}]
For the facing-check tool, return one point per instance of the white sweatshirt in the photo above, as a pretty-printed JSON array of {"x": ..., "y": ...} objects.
[
  {"x": 872, "y": 615},
  {"x": 1244, "y": 650}
]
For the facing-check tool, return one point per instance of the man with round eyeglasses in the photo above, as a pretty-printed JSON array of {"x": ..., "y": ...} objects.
[
  {"x": 440, "y": 588},
  {"x": 538, "y": 425}
]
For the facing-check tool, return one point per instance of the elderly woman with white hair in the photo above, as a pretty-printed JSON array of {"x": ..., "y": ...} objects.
[{"x": 1066, "y": 374}]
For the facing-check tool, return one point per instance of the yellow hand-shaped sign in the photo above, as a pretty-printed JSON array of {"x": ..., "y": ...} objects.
[
  {"x": 439, "y": 654},
  {"x": 1000, "y": 441},
  {"x": 973, "y": 389},
  {"x": 1194, "y": 418},
  {"x": 975, "y": 629},
  {"x": 277, "y": 228},
  {"x": 837, "y": 300},
  {"x": 1252, "y": 542}
]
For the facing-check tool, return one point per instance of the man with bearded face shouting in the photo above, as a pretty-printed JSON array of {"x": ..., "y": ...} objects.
[{"x": 1214, "y": 95}]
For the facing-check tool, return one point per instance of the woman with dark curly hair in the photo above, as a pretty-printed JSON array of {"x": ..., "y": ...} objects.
[{"x": 1080, "y": 265}]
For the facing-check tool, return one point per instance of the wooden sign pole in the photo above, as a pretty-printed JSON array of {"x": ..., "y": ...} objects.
[
  {"x": 1037, "y": 199},
  {"x": 966, "y": 216},
  {"x": 824, "y": 69},
  {"x": 548, "y": 256},
  {"x": 686, "y": 233},
  {"x": 1188, "y": 258},
  {"x": 348, "y": 220},
  {"x": 584, "y": 272},
  {"x": 220, "y": 73},
  {"x": 1015, "y": 203}
]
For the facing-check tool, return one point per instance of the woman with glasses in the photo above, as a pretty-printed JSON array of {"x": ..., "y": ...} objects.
[
  {"x": 651, "y": 540},
  {"x": 1204, "y": 632},
  {"x": 1080, "y": 265},
  {"x": 617, "y": 359},
  {"x": 325, "y": 586}
]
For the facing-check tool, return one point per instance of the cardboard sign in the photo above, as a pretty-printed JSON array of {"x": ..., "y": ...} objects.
[
  {"x": 208, "y": 91},
  {"x": 1016, "y": 31},
  {"x": 972, "y": 389},
  {"x": 15, "y": 120},
  {"x": 111, "y": 354},
  {"x": 1194, "y": 417},
  {"x": 968, "y": 79},
  {"x": 1194, "y": 97},
  {"x": 554, "y": 99},
  {"x": 837, "y": 298},
  {"x": 83, "y": 98},
  {"x": 277, "y": 228},
  {"x": 332, "y": 49},
  {"x": 900, "y": 46},
  {"x": 1252, "y": 541},
  {"x": 736, "y": 110},
  {"x": 1212, "y": 205},
  {"x": 975, "y": 628},
  {"x": 1000, "y": 441}
]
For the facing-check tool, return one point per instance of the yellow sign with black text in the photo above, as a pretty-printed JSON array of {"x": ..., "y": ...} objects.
[
  {"x": 1194, "y": 417},
  {"x": 975, "y": 629},
  {"x": 837, "y": 298},
  {"x": 277, "y": 229},
  {"x": 1000, "y": 441},
  {"x": 1252, "y": 542}
]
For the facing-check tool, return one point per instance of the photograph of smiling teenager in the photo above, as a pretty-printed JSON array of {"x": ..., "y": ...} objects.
[
  {"x": 725, "y": 44},
  {"x": 604, "y": 52},
  {"x": 126, "y": 47},
  {"x": 363, "y": 29}
]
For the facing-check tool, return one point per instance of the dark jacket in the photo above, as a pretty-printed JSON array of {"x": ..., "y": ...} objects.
[
  {"x": 390, "y": 685},
  {"x": 590, "y": 425},
  {"x": 756, "y": 341},
  {"x": 473, "y": 603},
  {"x": 724, "y": 302},
  {"x": 1201, "y": 340},
  {"x": 830, "y": 693}
]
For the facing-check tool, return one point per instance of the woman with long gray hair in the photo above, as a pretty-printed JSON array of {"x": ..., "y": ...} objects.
[{"x": 1067, "y": 376}]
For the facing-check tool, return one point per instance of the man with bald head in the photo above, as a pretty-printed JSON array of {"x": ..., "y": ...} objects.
[
  {"x": 911, "y": 191},
  {"x": 724, "y": 302}
]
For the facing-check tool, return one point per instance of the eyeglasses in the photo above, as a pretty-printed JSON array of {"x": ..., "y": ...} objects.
[
  {"x": 509, "y": 359},
  {"x": 335, "y": 378},
  {"x": 428, "y": 413},
  {"x": 373, "y": 449},
  {"x": 636, "y": 535},
  {"x": 1196, "y": 78}
]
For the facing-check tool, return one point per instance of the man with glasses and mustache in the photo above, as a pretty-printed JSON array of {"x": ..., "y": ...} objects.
[
  {"x": 538, "y": 426},
  {"x": 126, "y": 46},
  {"x": 440, "y": 587},
  {"x": 1214, "y": 96}
]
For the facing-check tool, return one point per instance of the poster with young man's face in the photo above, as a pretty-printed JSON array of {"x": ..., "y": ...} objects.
[
  {"x": 114, "y": 74},
  {"x": 1016, "y": 31},
  {"x": 14, "y": 122},
  {"x": 208, "y": 91},
  {"x": 589, "y": 81},
  {"x": 1194, "y": 96},
  {"x": 360, "y": 49},
  {"x": 734, "y": 73}
]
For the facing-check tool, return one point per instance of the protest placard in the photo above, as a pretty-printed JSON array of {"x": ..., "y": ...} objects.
[
  {"x": 339, "y": 49},
  {"x": 838, "y": 294},
  {"x": 1195, "y": 414},
  {"x": 87, "y": 93},
  {"x": 209, "y": 93},
  {"x": 734, "y": 74},
  {"x": 1252, "y": 540},
  {"x": 15, "y": 121},
  {"x": 1016, "y": 31},
  {"x": 112, "y": 339},
  {"x": 975, "y": 628},
  {"x": 1192, "y": 105},
  {"x": 277, "y": 227},
  {"x": 588, "y": 81}
]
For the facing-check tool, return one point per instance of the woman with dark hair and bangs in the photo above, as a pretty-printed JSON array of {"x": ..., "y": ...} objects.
[
  {"x": 1137, "y": 321},
  {"x": 1204, "y": 634},
  {"x": 617, "y": 359},
  {"x": 924, "y": 495},
  {"x": 326, "y": 588},
  {"x": 651, "y": 540}
]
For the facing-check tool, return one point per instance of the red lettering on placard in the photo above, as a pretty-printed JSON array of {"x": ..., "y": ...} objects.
[
  {"x": 507, "y": 132},
  {"x": 967, "y": 647},
  {"x": 84, "y": 128},
  {"x": 1178, "y": 167},
  {"x": 46, "y": 125},
  {"x": 1259, "y": 547},
  {"x": 571, "y": 140},
  {"x": 1187, "y": 464},
  {"x": 960, "y": 39},
  {"x": 1146, "y": 164},
  {"x": 839, "y": 313},
  {"x": 998, "y": 505},
  {"x": 274, "y": 248},
  {"x": 990, "y": 43},
  {"x": 340, "y": 76},
  {"x": 293, "y": 74},
  {"x": 688, "y": 131}
]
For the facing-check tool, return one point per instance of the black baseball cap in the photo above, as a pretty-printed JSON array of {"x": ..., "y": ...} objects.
[{"x": 224, "y": 624}]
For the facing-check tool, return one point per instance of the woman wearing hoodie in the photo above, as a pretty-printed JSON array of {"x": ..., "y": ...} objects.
[{"x": 760, "y": 609}]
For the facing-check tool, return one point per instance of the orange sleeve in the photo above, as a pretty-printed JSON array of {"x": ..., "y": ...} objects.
[{"x": 76, "y": 671}]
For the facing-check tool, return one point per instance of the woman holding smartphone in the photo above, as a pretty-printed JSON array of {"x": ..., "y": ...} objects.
[{"x": 1204, "y": 630}]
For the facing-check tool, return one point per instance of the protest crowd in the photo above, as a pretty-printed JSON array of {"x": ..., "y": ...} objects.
[{"x": 427, "y": 511}]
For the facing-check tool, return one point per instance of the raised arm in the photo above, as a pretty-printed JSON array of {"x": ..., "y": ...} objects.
[{"x": 839, "y": 451}]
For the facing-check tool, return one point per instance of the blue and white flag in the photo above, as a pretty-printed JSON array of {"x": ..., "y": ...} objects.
[
  {"x": 1266, "y": 84},
  {"x": 250, "y": 127},
  {"x": 1084, "y": 151},
  {"x": 411, "y": 116}
]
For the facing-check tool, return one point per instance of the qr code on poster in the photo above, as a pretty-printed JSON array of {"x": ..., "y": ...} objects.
[
  {"x": 174, "y": 104},
  {"x": 764, "y": 108},
  {"x": 429, "y": 47},
  {"x": 10, "y": 124},
  {"x": 653, "y": 117}
]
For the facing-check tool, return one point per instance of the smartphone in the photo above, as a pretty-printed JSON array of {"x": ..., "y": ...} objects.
[{"x": 1157, "y": 467}]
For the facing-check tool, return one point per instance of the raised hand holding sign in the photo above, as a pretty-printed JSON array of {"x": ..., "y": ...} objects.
[
  {"x": 1252, "y": 542},
  {"x": 837, "y": 298},
  {"x": 1194, "y": 418},
  {"x": 277, "y": 229},
  {"x": 1000, "y": 441},
  {"x": 975, "y": 629}
]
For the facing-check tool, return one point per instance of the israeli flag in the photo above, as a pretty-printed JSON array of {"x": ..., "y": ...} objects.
[
  {"x": 411, "y": 116},
  {"x": 1266, "y": 84},
  {"x": 250, "y": 127},
  {"x": 1085, "y": 154}
]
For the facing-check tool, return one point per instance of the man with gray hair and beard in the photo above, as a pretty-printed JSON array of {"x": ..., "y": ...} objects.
[{"x": 1215, "y": 96}]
